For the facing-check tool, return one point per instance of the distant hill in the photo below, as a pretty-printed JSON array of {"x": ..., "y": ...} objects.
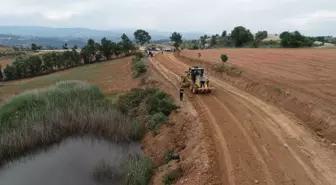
[
  {"x": 86, "y": 33},
  {"x": 56, "y": 37}
]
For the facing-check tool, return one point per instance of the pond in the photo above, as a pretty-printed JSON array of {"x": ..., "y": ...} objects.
[{"x": 70, "y": 163}]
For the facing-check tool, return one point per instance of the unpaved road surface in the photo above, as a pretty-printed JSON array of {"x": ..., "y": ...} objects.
[{"x": 256, "y": 142}]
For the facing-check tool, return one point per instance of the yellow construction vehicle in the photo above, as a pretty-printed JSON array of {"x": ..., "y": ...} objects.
[{"x": 196, "y": 80}]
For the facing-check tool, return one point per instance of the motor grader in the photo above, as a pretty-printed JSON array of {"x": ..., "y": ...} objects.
[{"x": 196, "y": 80}]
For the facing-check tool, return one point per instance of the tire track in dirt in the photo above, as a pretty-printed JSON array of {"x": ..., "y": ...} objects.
[
  {"x": 223, "y": 144},
  {"x": 249, "y": 140}
]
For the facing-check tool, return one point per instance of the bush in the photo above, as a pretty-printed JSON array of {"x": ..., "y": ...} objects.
[
  {"x": 138, "y": 55},
  {"x": 160, "y": 102},
  {"x": 156, "y": 120},
  {"x": 224, "y": 58},
  {"x": 138, "y": 170},
  {"x": 139, "y": 68},
  {"x": 130, "y": 101}
]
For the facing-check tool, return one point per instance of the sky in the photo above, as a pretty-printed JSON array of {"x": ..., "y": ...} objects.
[{"x": 311, "y": 17}]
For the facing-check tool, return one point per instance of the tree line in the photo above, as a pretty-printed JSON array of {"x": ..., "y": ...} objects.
[
  {"x": 36, "y": 65},
  {"x": 242, "y": 37}
]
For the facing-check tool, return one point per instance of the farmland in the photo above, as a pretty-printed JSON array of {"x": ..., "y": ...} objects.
[
  {"x": 307, "y": 72},
  {"x": 104, "y": 74}
]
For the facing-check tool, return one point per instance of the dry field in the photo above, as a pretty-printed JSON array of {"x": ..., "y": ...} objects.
[
  {"x": 307, "y": 72},
  {"x": 110, "y": 76}
]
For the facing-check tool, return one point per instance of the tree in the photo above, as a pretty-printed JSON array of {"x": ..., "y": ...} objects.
[
  {"x": 213, "y": 41},
  {"x": 241, "y": 36},
  {"x": 203, "y": 41},
  {"x": 48, "y": 62},
  {"x": 1, "y": 75},
  {"x": 34, "y": 65},
  {"x": 142, "y": 37},
  {"x": 85, "y": 55},
  {"x": 9, "y": 72},
  {"x": 126, "y": 43},
  {"x": 106, "y": 48},
  {"x": 65, "y": 46},
  {"x": 20, "y": 69},
  {"x": 177, "y": 39},
  {"x": 260, "y": 35},
  {"x": 294, "y": 40},
  {"x": 75, "y": 47},
  {"x": 224, "y": 58},
  {"x": 34, "y": 47},
  {"x": 224, "y": 33}
]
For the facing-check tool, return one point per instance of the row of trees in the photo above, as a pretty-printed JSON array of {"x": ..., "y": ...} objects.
[
  {"x": 35, "y": 65},
  {"x": 242, "y": 37}
]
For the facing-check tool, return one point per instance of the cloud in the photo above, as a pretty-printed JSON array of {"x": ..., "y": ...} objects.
[{"x": 310, "y": 16}]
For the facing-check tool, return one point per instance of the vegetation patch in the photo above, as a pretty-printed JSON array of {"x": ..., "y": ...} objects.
[
  {"x": 134, "y": 170},
  {"x": 157, "y": 104},
  {"x": 138, "y": 65},
  {"x": 40, "y": 118},
  {"x": 172, "y": 176}
]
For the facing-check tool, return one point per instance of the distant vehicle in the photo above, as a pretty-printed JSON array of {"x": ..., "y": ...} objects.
[{"x": 168, "y": 49}]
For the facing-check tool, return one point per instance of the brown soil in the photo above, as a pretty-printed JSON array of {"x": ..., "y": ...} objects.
[
  {"x": 256, "y": 142},
  {"x": 185, "y": 133},
  {"x": 5, "y": 60},
  {"x": 302, "y": 81}
]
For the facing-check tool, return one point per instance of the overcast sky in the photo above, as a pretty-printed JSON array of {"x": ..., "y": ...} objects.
[{"x": 312, "y": 17}]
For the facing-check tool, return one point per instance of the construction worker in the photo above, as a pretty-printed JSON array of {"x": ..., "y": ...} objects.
[{"x": 181, "y": 94}]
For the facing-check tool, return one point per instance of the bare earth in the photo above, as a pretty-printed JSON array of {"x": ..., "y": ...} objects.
[
  {"x": 256, "y": 142},
  {"x": 305, "y": 77}
]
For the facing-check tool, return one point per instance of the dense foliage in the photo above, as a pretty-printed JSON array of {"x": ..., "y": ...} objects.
[
  {"x": 295, "y": 40},
  {"x": 177, "y": 39}
]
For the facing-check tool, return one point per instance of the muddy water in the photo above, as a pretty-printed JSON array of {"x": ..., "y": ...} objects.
[{"x": 70, "y": 163}]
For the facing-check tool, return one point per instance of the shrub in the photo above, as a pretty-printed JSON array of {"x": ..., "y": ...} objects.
[
  {"x": 139, "y": 68},
  {"x": 160, "y": 102},
  {"x": 224, "y": 58},
  {"x": 138, "y": 170},
  {"x": 156, "y": 120},
  {"x": 128, "y": 102},
  {"x": 138, "y": 55}
]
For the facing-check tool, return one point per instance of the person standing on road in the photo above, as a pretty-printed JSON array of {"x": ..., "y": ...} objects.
[{"x": 181, "y": 94}]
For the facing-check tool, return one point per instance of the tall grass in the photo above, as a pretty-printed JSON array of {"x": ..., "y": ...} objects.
[{"x": 43, "y": 117}]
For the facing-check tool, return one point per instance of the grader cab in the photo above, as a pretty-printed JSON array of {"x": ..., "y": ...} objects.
[{"x": 196, "y": 80}]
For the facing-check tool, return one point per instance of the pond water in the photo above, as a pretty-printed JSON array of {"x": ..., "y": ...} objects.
[{"x": 70, "y": 163}]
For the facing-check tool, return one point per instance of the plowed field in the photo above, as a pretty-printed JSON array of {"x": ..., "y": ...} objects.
[
  {"x": 256, "y": 142},
  {"x": 306, "y": 72}
]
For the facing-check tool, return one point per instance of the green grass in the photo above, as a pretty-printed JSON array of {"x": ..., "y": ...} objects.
[{"x": 39, "y": 118}]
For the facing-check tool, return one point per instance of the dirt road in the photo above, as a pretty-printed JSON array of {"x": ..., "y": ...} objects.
[{"x": 256, "y": 142}]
